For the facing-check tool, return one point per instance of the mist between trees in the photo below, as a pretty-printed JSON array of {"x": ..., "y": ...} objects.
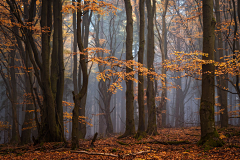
[{"x": 70, "y": 69}]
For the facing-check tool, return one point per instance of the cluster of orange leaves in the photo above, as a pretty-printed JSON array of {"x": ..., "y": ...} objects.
[
  {"x": 191, "y": 64},
  {"x": 4, "y": 125},
  {"x": 82, "y": 119},
  {"x": 101, "y": 7}
]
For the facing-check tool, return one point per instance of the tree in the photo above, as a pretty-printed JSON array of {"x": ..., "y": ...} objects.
[
  {"x": 13, "y": 97},
  {"x": 164, "y": 57},
  {"x": 221, "y": 81},
  {"x": 209, "y": 135},
  {"x": 28, "y": 119},
  {"x": 152, "y": 127},
  {"x": 50, "y": 119},
  {"x": 51, "y": 128},
  {"x": 130, "y": 126},
  {"x": 141, "y": 122},
  {"x": 161, "y": 110},
  {"x": 77, "y": 97}
]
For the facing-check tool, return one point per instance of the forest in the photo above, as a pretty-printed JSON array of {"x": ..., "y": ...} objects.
[{"x": 119, "y": 79}]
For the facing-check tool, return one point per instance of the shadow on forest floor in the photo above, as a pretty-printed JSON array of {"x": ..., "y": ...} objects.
[{"x": 171, "y": 143}]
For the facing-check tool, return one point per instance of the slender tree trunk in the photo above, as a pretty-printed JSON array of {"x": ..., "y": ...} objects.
[
  {"x": 209, "y": 135},
  {"x": 60, "y": 82},
  {"x": 163, "y": 103},
  {"x": 13, "y": 98},
  {"x": 28, "y": 119},
  {"x": 177, "y": 101},
  {"x": 85, "y": 37},
  {"x": 141, "y": 122},
  {"x": 75, "y": 84},
  {"x": 152, "y": 126},
  {"x": 222, "y": 78},
  {"x": 82, "y": 124},
  {"x": 77, "y": 97},
  {"x": 130, "y": 125}
]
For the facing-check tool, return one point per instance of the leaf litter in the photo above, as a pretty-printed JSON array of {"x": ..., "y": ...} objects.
[{"x": 170, "y": 143}]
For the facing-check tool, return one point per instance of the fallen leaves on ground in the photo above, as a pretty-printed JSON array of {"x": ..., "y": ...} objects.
[{"x": 130, "y": 148}]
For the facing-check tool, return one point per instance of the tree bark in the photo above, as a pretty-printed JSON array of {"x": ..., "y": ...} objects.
[
  {"x": 130, "y": 125},
  {"x": 49, "y": 128},
  {"x": 209, "y": 135},
  {"x": 77, "y": 97},
  {"x": 152, "y": 126},
  {"x": 28, "y": 119},
  {"x": 60, "y": 82},
  {"x": 141, "y": 122},
  {"x": 13, "y": 98},
  {"x": 221, "y": 79},
  {"x": 162, "y": 107}
]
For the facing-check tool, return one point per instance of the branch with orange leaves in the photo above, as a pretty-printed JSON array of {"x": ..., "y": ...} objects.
[{"x": 101, "y": 7}]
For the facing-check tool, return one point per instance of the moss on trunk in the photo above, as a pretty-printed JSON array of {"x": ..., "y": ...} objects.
[{"x": 211, "y": 140}]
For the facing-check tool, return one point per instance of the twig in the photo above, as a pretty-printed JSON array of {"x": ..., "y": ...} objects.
[
  {"x": 110, "y": 154},
  {"x": 94, "y": 153}
]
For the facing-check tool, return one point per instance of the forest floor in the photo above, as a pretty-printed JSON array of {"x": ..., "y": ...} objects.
[{"x": 171, "y": 143}]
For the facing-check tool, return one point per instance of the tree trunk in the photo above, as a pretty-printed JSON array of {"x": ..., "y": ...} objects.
[
  {"x": 28, "y": 119},
  {"x": 162, "y": 107},
  {"x": 130, "y": 125},
  {"x": 152, "y": 126},
  {"x": 85, "y": 37},
  {"x": 49, "y": 128},
  {"x": 221, "y": 79},
  {"x": 77, "y": 97},
  {"x": 82, "y": 129},
  {"x": 57, "y": 66},
  {"x": 141, "y": 122},
  {"x": 60, "y": 82},
  {"x": 209, "y": 135},
  {"x": 13, "y": 98}
]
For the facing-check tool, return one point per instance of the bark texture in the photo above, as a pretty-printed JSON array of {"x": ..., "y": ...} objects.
[
  {"x": 221, "y": 79},
  {"x": 209, "y": 135},
  {"x": 162, "y": 107},
  {"x": 28, "y": 119},
  {"x": 13, "y": 98},
  {"x": 77, "y": 97},
  {"x": 141, "y": 122},
  {"x": 130, "y": 125},
  {"x": 152, "y": 126}
]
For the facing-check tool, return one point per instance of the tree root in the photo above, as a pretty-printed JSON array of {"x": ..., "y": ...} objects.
[{"x": 122, "y": 143}]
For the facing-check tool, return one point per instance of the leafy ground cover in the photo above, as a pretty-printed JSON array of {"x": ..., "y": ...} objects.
[{"x": 171, "y": 143}]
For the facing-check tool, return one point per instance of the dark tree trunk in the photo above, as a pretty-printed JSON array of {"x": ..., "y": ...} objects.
[
  {"x": 13, "y": 98},
  {"x": 209, "y": 135},
  {"x": 60, "y": 82},
  {"x": 130, "y": 125},
  {"x": 85, "y": 36},
  {"x": 77, "y": 97},
  {"x": 221, "y": 81},
  {"x": 152, "y": 126},
  {"x": 28, "y": 119},
  {"x": 141, "y": 122},
  {"x": 50, "y": 114},
  {"x": 49, "y": 127}
]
